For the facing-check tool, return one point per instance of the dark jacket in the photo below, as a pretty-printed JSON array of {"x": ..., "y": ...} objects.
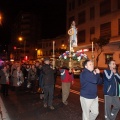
[
  {"x": 32, "y": 74},
  {"x": 3, "y": 78},
  {"x": 89, "y": 81},
  {"x": 111, "y": 83},
  {"x": 48, "y": 75}
]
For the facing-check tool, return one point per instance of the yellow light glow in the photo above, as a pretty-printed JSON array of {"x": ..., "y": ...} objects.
[
  {"x": 20, "y": 39},
  {"x": 63, "y": 45},
  {"x": 0, "y": 19},
  {"x": 39, "y": 52}
]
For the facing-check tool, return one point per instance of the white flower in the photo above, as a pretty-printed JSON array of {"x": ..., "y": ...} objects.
[
  {"x": 79, "y": 58},
  {"x": 73, "y": 55},
  {"x": 60, "y": 56},
  {"x": 65, "y": 57},
  {"x": 85, "y": 55}
]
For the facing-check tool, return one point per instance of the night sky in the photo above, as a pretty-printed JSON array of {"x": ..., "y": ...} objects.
[{"x": 53, "y": 14}]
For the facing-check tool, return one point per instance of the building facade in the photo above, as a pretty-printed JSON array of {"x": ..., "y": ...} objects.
[
  {"x": 25, "y": 33},
  {"x": 45, "y": 47},
  {"x": 95, "y": 19}
]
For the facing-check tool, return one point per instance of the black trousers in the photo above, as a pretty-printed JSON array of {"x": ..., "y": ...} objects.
[
  {"x": 33, "y": 85},
  {"x": 48, "y": 94},
  {"x": 4, "y": 88}
]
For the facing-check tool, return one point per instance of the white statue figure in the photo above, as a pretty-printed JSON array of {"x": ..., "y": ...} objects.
[{"x": 73, "y": 37}]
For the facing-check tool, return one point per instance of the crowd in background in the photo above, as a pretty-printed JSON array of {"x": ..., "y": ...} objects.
[
  {"x": 21, "y": 76},
  {"x": 35, "y": 78},
  {"x": 32, "y": 78}
]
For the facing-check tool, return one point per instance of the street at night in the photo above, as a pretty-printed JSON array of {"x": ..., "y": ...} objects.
[
  {"x": 44, "y": 43},
  {"x": 27, "y": 106}
]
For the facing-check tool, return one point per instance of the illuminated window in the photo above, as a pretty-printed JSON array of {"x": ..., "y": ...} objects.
[{"x": 108, "y": 57}]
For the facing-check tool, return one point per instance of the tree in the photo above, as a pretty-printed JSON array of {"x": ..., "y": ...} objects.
[{"x": 99, "y": 44}]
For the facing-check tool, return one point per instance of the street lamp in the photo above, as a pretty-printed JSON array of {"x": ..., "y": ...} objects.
[
  {"x": 0, "y": 19},
  {"x": 21, "y": 39}
]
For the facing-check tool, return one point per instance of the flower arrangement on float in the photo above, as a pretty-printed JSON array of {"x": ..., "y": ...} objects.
[{"x": 77, "y": 56}]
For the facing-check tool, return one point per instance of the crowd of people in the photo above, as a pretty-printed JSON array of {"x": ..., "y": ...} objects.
[
  {"x": 33, "y": 78},
  {"x": 43, "y": 77}
]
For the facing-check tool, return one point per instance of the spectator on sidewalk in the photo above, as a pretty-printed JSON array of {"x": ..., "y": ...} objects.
[
  {"x": 111, "y": 91},
  {"x": 89, "y": 79},
  {"x": 67, "y": 79},
  {"x": 48, "y": 83},
  {"x": 4, "y": 80}
]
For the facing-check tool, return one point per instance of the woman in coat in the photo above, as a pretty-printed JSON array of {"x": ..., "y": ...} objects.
[
  {"x": 32, "y": 77},
  {"x": 4, "y": 80},
  {"x": 18, "y": 78}
]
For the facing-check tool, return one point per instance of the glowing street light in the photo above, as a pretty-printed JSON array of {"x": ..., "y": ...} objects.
[
  {"x": 20, "y": 39},
  {"x": 0, "y": 19}
]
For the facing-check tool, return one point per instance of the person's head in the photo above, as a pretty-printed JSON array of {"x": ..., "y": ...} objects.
[
  {"x": 73, "y": 23},
  {"x": 47, "y": 61},
  {"x": 112, "y": 64},
  {"x": 33, "y": 66},
  {"x": 88, "y": 64},
  {"x": 18, "y": 68},
  {"x": 37, "y": 64},
  {"x": 27, "y": 66}
]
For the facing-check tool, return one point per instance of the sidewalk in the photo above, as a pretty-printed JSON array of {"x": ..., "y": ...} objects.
[{"x": 4, "y": 114}]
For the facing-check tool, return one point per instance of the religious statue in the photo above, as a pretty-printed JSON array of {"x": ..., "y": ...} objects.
[{"x": 73, "y": 37}]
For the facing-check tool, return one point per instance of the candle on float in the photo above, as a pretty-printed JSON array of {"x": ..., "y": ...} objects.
[
  {"x": 92, "y": 46},
  {"x": 53, "y": 47}
]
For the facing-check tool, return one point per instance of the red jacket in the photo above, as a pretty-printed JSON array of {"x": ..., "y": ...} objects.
[{"x": 66, "y": 76}]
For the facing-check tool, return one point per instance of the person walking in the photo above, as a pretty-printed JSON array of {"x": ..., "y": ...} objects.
[
  {"x": 48, "y": 83},
  {"x": 111, "y": 91},
  {"x": 32, "y": 77},
  {"x": 67, "y": 79},
  {"x": 18, "y": 79},
  {"x": 89, "y": 79},
  {"x": 4, "y": 80}
]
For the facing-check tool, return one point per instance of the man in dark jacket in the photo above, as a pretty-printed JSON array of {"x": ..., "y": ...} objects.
[
  {"x": 89, "y": 78},
  {"x": 111, "y": 91},
  {"x": 48, "y": 83}
]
